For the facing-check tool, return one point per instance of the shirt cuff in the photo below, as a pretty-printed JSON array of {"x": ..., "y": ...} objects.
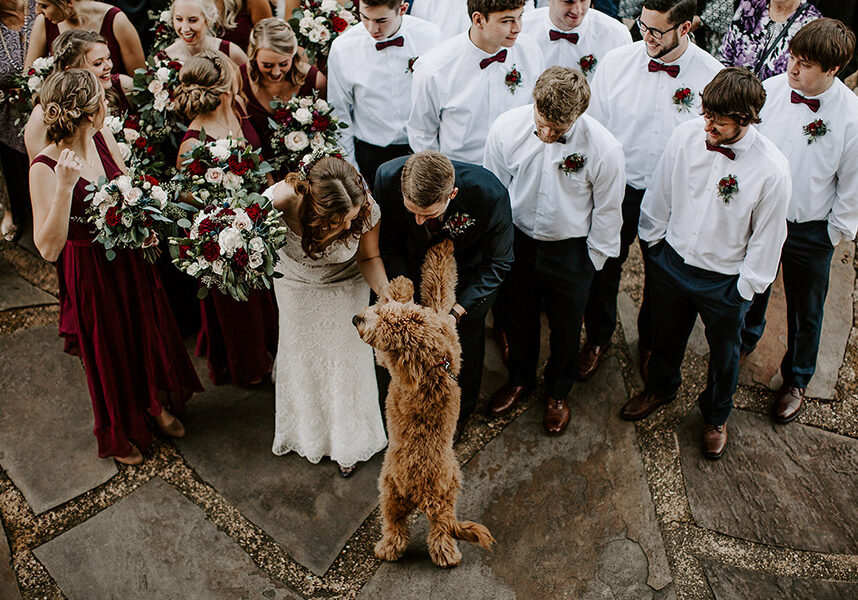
[
  {"x": 835, "y": 235},
  {"x": 597, "y": 258},
  {"x": 745, "y": 289}
]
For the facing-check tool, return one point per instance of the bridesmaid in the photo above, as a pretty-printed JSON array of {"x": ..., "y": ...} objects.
[
  {"x": 57, "y": 16},
  {"x": 80, "y": 48},
  {"x": 275, "y": 70},
  {"x": 239, "y": 338},
  {"x": 194, "y": 22},
  {"x": 134, "y": 357},
  {"x": 238, "y": 17}
]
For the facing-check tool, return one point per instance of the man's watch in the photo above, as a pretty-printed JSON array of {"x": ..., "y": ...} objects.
[{"x": 456, "y": 314}]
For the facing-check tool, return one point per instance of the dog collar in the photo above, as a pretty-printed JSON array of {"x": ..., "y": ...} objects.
[{"x": 445, "y": 363}]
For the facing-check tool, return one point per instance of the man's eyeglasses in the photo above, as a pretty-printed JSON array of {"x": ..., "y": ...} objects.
[{"x": 654, "y": 32}]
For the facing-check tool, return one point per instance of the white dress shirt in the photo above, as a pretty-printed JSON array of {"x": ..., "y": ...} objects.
[
  {"x": 637, "y": 106},
  {"x": 451, "y": 16},
  {"x": 597, "y": 35},
  {"x": 370, "y": 89},
  {"x": 825, "y": 172},
  {"x": 549, "y": 204},
  {"x": 743, "y": 236},
  {"x": 454, "y": 102}
]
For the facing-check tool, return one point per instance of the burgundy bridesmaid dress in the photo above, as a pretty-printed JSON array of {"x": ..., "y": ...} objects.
[
  {"x": 123, "y": 328},
  {"x": 52, "y": 32},
  {"x": 240, "y": 34}
]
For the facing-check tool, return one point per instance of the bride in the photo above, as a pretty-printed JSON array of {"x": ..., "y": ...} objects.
[{"x": 326, "y": 394}]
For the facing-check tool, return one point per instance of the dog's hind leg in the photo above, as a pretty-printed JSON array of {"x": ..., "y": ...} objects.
[
  {"x": 443, "y": 549},
  {"x": 394, "y": 511}
]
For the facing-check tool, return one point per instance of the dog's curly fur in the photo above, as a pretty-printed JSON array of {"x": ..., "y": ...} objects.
[{"x": 418, "y": 344}]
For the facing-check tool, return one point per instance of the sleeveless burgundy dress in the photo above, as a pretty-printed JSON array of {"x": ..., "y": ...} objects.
[
  {"x": 240, "y": 34},
  {"x": 239, "y": 339},
  {"x": 125, "y": 333},
  {"x": 223, "y": 46},
  {"x": 52, "y": 32}
]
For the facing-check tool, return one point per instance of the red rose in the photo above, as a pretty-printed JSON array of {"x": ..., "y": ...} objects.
[
  {"x": 206, "y": 226},
  {"x": 211, "y": 251},
  {"x": 240, "y": 257},
  {"x": 183, "y": 251},
  {"x": 150, "y": 150},
  {"x": 237, "y": 166},
  {"x": 131, "y": 123},
  {"x": 253, "y": 211},
  {"x": 283, "y": 116},
  {"x": 339, "y": 24},
  {"x": 175, "y": 65},
  {"x": 321, "y": 122},
  {"x": 147, "y": 221},
  {"x": 196, "y": 168},
  {"x": 226, "y": 212},
  {"x": 31, "y": 72},
  {"x": 141, "y": 142},
  {"x": 151, "y": 180},
  {"x": 113, "y": 217}
]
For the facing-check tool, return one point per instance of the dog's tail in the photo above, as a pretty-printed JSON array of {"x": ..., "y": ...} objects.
[{"x": 468, "y": 531}]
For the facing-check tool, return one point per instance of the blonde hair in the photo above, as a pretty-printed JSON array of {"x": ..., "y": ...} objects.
[
  {"x": 67, "y": 9},
  {"x": 207, "y": 7},
  {"x": 231, "y": 8},
  {"x": 428, "y": 178},
  {"x": 561, "y": 94},
  {"x": 68, "y": 98},
  {"x": 202, "y": 82},
  {"x": 71, "y": 46},
  {"x": 276, "y": 35}
]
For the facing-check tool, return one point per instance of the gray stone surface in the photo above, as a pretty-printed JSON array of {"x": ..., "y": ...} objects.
[
  {"x": 628, "y": 311},
  {"x": 17, "y": 292},
  {"x": 8, "y": 582},
  {"x": 792, "y": 486},
  {"x": 46, "y": 441},
  {"x": 310, "y": 510},
  {"x": 572, "y": 515},
  {"x": 730, "y": 583},
  {"x": 154, "y": 544}
]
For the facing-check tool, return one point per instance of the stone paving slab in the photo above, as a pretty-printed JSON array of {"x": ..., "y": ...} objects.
[
  {"x": 310, "y": 510},
  {"x": 792, "y": 486},
  {"x": 154, "y": 544},
  {"x": 731, "y": 583},
  {"x": 572, "y": 515},
  {"x": 46, "y": 441},
  {"x": 17, "y": 292},
  {"x": 8, "y": 582}
]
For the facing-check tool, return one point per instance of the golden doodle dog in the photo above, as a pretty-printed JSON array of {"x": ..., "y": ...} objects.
[{"x": 419, "y": 346}]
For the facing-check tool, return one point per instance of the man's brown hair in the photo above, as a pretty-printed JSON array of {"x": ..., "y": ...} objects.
[
  {"x": 391, "y": 4},
  {"x": 486, "y": 7},
  {"x": 735, "y": 93},
  {"x": 561, "y": 94},
  {"x": 827, "y": 42},
  {"x": 428, "y": 178}
]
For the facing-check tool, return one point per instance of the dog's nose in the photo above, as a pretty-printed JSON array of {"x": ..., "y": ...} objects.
[{"x": 356, "y": 319}]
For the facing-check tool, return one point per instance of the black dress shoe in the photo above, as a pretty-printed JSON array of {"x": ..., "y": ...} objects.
[{"x": 506, "y": 399}]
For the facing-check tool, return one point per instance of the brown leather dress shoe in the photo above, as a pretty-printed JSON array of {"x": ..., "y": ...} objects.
[
  {"x": 506, "y": 399},
  {"x": 501, "y": 337},
  {"x": 589, "y": 360},
  {"x": 789, "y": 404},
  {"x": 643, "y": 363},
  {"x": 641, "y": 405},
  {"x": 714, "y": 441},
  {"x": 556, "y": 416}
]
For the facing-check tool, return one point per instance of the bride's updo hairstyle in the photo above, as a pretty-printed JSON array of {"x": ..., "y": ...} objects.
[
  {"x": 331, "y": 190},
  {"x": 202, "y": 82},
  {"x": 68, "y": 98},
  {"x": 275, "y": 34}
]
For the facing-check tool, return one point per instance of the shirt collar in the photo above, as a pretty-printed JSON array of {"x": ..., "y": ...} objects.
[
  {"x": 581, "y": 30},
  {"x": 745, "y": 143},
  {"x": 682, "y": 61},
  {"x": 826, "y": 95}
]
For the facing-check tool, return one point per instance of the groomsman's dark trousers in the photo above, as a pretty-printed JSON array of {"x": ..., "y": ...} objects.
[
  {"x": 678, "y": 293},
  {"x": 806, "y": 264},
  {"x": 557, "y": 275},
  {"x": 369, "y": 158},
  {"x": 600, "y": 316}
]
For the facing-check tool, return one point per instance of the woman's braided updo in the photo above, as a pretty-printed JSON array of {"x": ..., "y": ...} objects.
[
  {"x": 68, "y": 98},
  {"x": 202, "y": 82}
]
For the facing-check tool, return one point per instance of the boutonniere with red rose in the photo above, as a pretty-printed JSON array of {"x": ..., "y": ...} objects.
[
  {"x": 587, "y": 64},
  {"x": 815, "y": 129},
  {"x": 728, "y": 186},
  {"x": 457, "y": 223},
  {"x": 513, "y": 80},
  {"x": 573, "y": 163},
  {"x": 411, "y": 62},
  {"x": 683, "y": 98}
]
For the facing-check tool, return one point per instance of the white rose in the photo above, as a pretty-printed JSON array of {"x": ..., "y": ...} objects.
[
  {"x": 230, "y": 240},
  {"x": 193, "y": 269},
  {"x": 123, "y": 184},
  {"x": 162, "y": 99},
  {"x": 217, "y": 267},
  {"x": 165, "y": 16},
  {"x": 305, "y": 102},
  {"x": 99, "y": 223},
  {"x": 103, "y": 208},
  {"x": 214, "y": 175},
  {"x": 44, "y": 63},
  {"x": 219, "y": 152},
  {"x": 130, "y": 135},
  {"x": 255, "y": 260},
  {"x": 347, "y": 16},
  {"x": 324, "y": 35},
  {"x": 163, "y": 74},
  {"x": 204, "y": 264},
  {"x": 241, "y": 221},
  {"x": 132, "y": 197},
  {"x": 321, "y": 105},
  {"x": 317, "y": 142},
  {"x": 296, "y": 141},
  {"x": 306, "y": 23},
  {"x": 35, "y": 83},
  {"x": 159, "y": 196},
  {"x": 330, "y": 5},
  {"x": 303, "y": 116},
  {"x": 257, "y": 245},
  {"x": 320, "y": 21},
  {"x": 314, "y": 36},
  {"x": 114, "y": 124},
  {"x": 126, "y": 220},
  {"x": 231, "y": 181},
  {"x": 100, "y": 197},
  {"x": 155, "y": 86},
  {"x": 225, "y": 142}
]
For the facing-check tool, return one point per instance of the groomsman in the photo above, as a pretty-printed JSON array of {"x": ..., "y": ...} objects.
[
  {"x": 367, "y": 68},
  {"x": 565, "y": 181},
  {"x": 812, "y": 117},
  {"x": 714, "y": 217},
  {"x": 641, "y": 92},
  {"x": 451, "y": 16},
  {"x": 428, "y": 198},
  {"x": 573, "y": 34},
  {"x": 463, "y": 85}
]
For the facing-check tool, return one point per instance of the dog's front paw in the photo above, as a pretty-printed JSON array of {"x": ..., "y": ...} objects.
[
  {"x": 390, "y": 547},
  {"x": 446, "y": 554}
]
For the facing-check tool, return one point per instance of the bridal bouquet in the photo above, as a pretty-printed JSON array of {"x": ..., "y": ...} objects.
[
  {"x": 124, "y": 211},
  {"x": 317, "y": 23},
  {"x": 222, "y": 170},
  {"x": 232, "y": 246},
  {"x": 162, "y": 29},
  {"x": 25, "y": 88},
  {"x": 299, "y": 126},
  {"x": 153, "y": 96}
]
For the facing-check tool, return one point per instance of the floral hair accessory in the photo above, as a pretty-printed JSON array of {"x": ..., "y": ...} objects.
[
  {"x": 573, "y": 163},
  {"x": 587, "y": 64},
  {"x": 683, "y": 98},
  {"x": 309, "y": 160},
  {"x": 815, "y": 129},
  {"x": 513, "y": 80},
  {"x": 728, "y": 186}
]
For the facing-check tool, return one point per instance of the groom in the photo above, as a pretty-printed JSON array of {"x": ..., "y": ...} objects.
[{"x": 426, "y": 198}]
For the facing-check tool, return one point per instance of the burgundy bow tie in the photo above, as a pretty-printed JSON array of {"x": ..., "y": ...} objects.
[
  {"x": 397, "y": 41},
  {"x": 812, "y": 103},
  {"x": 728, "y": 152},
  {"x": 553, "y": 35},
  {"x": 672, "y": 70},
  {"x": 499, "y": 57}
]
